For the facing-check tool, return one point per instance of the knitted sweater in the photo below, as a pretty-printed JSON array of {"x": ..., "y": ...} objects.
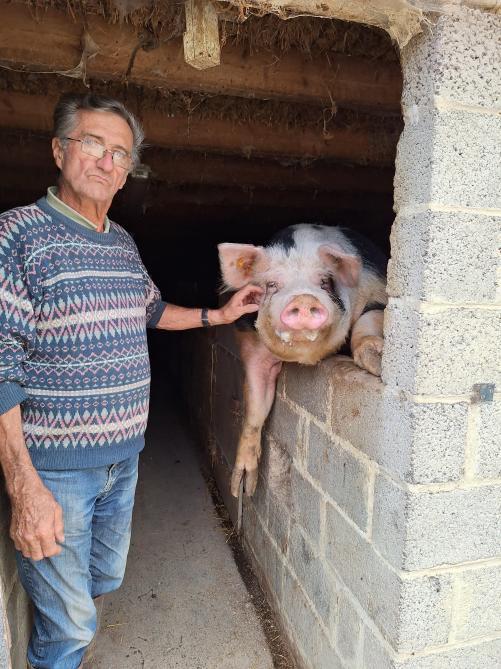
[{"x": 74, "y": 306}]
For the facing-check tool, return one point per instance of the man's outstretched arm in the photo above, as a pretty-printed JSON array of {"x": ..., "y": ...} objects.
[{"x": 245, "y": 301}]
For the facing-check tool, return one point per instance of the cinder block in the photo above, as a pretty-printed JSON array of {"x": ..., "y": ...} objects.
[
  {"x": 478, "y": 612},
  {"x": 228, "y": 403},
  {"x": 327, "y": 655},
  {"x": 254, "y": 535},
  {"x": 444, "y": 351},
  {"x": 411, "y": 614},
  {"x": 458, "y": 59},
  {"x": 303, "y": 626},
  {"x": 308, "y": 386},
  {"x": 445, "y": 257},
  {"x": 482, "y": 655},
  {"x": 278, "y": 523},
  {"x": 420, "y": 443},
  {"x": 284, "y": 425},
  {"x": 306, "y": 502},
  {"x": 419, "y": 530},
  {"x": 438, "y": 156},
  {"x": 489, "y": 440},
  {"x": 311, "y": 572},
  {"x": 260, "y": 497},
  {"x": 342, "y": 476},
  {"x": 348, "y": 629},
  {"x": 272, "y": 573},
  {"x": 275, "y": 470}
]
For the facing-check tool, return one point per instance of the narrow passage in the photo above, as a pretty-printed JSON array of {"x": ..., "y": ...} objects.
[{"x": 182, "y": 604}]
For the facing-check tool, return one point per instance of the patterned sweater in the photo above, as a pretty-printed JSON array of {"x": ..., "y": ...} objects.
[{"x": 74, "y": 306}]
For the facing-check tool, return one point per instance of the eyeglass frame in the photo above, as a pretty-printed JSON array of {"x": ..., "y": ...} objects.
[{"x": 105, "y": 151}]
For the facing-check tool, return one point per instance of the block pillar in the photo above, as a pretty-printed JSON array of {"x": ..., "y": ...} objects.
[{"x": 442, "y": 519}]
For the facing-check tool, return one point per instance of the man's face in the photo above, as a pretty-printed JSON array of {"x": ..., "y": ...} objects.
[{"x": 90, "y": 178}]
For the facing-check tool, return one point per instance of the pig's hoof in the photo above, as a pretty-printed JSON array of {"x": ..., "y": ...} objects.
[
  {"x": 239, "y": 471},
  {"x": 368, "y": 354}
]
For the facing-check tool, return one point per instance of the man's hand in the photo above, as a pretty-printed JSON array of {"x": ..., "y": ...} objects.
[
  {"x": 246, "y": 301},
  {"x": 37, "y": 519}
]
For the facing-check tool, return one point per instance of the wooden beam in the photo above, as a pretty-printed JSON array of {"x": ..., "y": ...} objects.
[
  {"x": 21, "y": 152},
  {"x": 217, "y": 170},
  {"x": 53, "y": 43},
  {"x": 201, "y": 39},
  {"x": 34, "y": 112}
]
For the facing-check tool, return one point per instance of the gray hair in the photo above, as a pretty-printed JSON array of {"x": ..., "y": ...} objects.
[{"x": 68, "y": 106}]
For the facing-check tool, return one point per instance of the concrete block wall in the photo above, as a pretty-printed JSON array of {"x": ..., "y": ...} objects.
[
  {"x": 376, "y": 525},
  {"x": 15, "y": 614}
]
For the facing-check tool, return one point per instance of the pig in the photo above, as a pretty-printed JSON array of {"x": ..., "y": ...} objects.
[{"x": 321, "y": 286}]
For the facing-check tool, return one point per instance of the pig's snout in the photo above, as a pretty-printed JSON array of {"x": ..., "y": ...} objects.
[{"x": 305, "y": 312}]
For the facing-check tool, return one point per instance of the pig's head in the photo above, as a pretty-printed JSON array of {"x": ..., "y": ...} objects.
[{"x": 305, "y": 309}]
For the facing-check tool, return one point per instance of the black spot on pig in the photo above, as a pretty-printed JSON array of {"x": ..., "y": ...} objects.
[
  {"x": 334, "y": 295},
  {"x": 373, "y": 306},
  {"x": 284, "y": 238},
  {"x": 371, "y": 255}
]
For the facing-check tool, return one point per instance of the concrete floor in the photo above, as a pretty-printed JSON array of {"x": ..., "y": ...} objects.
[{"x": 182, "y": 603}]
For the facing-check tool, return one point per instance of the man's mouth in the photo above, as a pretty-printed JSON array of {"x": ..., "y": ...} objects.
[{"x": 99, "y": 178}]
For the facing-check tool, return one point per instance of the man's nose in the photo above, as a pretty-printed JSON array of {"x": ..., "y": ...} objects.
[{"x": 106, "y": 162}]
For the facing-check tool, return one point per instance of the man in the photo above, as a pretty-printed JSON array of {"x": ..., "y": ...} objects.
[{"x": 75, "y": 301}]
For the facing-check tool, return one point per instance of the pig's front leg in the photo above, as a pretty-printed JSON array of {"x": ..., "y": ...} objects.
[
  {"x": 261, "y": 371},
  {"x": 367, "y": 341}
]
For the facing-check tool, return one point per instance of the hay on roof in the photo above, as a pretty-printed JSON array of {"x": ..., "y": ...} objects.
[
  {"x": 165, "y": 20},
  {"x": 271, "y": 113}
]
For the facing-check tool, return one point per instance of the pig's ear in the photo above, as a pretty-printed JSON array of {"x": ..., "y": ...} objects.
[
  {"x": 346, "y": 267},
  {"x": 239, "y": 263}
]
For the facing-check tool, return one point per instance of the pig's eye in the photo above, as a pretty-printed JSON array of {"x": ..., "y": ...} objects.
[
  {"x": 271, "y": 285},
  {"x": 326, "y": 283}
]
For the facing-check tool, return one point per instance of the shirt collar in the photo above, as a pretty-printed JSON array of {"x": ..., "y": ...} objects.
[{"x": 68, "y": 211}]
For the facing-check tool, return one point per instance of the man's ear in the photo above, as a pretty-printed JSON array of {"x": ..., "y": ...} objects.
[
  {"x": 239, "y": 263},
  {"x": 57, "y": 151},
  {"x": 344, "y": 266},
  {"x": 124, "y": 180}
]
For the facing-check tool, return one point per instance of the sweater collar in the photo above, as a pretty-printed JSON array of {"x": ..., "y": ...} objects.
[{"x": 71, "y": 213}]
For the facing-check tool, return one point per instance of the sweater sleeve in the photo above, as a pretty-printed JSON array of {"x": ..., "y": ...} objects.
[
  {"x": 154, "y": 305},
  {"x": 17, "y": 327}
]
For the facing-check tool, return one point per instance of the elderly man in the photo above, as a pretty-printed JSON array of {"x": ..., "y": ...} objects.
[{"x": 75, "y": 301}]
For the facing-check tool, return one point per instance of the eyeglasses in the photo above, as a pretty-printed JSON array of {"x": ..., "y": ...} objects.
[{"x": 94, "y": 148}]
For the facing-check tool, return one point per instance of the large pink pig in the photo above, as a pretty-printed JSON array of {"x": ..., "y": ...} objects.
[{"x": 322, "y": 285}]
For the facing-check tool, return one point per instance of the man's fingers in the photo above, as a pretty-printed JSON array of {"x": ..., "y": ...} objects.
[
  {"x": 49, "y": 548},
  {"x": 250, "y": 308},
  {"x": 36, "y": 555},
  {"x": 250, "y": 294}
]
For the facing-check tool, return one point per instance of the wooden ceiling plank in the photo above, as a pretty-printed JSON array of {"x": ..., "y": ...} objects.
[
  {"x": 34, "y": 112},
  {"x": 32, "y": 154},
  {"x": 201, "y": 39},
  {"x": 54, "y": 43}
]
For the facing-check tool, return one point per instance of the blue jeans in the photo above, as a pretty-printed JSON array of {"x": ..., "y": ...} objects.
[{"x": 97, "y": 512}]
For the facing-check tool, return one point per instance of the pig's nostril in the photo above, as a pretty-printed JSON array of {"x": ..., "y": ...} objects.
[
  {"x": 314, "y": 311},
  {"x": 295, "y": 312}
]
